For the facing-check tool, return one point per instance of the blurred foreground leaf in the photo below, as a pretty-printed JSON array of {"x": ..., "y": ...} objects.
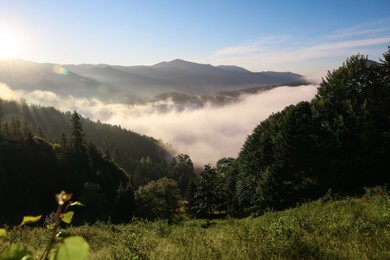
[
  {"x": 72, "y": 248},
  {"x": 67, "y": 217},
  {"x": 77, "y": 203},
  {"x": 16, "y": 252},
  {"x": 30, "y": 219},
  {"x": 3, "y": 232}
]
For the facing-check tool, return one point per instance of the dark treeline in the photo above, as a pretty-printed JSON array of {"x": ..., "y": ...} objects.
[
  {"x": 50, "y": 123},
  {"x": 34, "y": 166},
  {"x": 339, "y": 142}
]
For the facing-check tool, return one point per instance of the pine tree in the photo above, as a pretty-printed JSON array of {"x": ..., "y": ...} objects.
[
  {"x": 202, "y": 201},
  {"x": 117, "y": 158},
  {"x": 77, "y": 137}
]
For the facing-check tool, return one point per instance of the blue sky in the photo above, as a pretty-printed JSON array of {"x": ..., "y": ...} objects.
[{"x": 306, "y": 37}]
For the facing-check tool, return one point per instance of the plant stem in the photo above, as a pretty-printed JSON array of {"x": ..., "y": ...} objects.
[{"x": 54, "y": 233}]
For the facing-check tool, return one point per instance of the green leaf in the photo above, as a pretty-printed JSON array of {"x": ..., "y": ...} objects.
[
  {"x": 77, "y": 203},
  {"x": 50, "y": 226},
  {"x": 72, "y": 248},
  {"x": 30, "y": 219},
  {"x": 3, "y": 232},
  {"x": 67, "y": 217},
  {"x": 17, "y": 252}
]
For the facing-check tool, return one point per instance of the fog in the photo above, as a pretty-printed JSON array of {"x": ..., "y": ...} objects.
[{"x": 206, "y": 134}]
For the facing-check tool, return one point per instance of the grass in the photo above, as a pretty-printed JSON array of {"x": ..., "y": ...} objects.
[{"x": 351, "y": 228}]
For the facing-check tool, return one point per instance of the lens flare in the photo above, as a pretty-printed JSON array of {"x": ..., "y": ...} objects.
[{"x": 58, "y": 69}]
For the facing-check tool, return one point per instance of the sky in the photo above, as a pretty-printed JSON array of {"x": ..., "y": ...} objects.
[{"x": 307, "y": 37}]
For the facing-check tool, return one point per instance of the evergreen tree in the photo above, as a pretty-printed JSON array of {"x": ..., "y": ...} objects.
[
  {"x": 77, "y": 157},
  {"x": 386, "y": 62},
  {"x": 182, "y": 171},
  {"x": 77, "y": 137},
  {"x": 124, "y": 204},
  {"x": 117, "y": 158},
  {"x": 228, "y": 171},
  {"x": 203, "y": 200}
]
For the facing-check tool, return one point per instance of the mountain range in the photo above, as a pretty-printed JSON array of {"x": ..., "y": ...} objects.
[{"x": 127, "y": 84}]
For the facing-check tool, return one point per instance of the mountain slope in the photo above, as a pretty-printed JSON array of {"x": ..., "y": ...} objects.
[
  {"x": 52, "y": 123},
  {"x": 132, "y": 83}
]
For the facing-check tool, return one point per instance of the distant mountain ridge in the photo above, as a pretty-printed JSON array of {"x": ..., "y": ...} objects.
[{"x": 133, "y": 83}]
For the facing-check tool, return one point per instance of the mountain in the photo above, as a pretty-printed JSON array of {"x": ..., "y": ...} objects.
[{"x": 133, "y": 83}]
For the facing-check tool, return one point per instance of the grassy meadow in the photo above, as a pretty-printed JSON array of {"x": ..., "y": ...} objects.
[{"x": 349, "y": 228}]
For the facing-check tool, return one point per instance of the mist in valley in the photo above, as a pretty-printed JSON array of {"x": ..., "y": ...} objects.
[{"x": 206, "y": 133}]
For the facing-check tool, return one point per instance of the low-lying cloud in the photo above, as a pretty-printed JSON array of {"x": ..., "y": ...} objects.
[{"x": 206, "y": 134}]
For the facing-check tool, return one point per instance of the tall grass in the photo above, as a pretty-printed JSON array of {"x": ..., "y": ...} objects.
[{"x": 352, "y": 228}]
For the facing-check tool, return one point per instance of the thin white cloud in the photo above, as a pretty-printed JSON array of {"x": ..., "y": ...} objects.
[
  {"x": 288, "y": 53},
  {"x": 377, "y": 27},
  {"x": 43, "y": 96},
  {"x": 264, "y": 44}
]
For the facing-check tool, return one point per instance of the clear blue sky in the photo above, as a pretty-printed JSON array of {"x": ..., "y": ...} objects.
[{"x": 300, "y": 36}]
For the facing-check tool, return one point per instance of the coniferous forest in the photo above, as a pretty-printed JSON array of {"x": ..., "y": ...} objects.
[{"x": 336, "y": 145}]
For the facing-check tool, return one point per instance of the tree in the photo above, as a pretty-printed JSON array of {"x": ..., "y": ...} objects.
[
  {"x": 352, "y": 107},
  {"x": 386, "y": 61},
  {"x": 277, "y": 159},
  {"x": 255, "y": 154},
  {"x": 183, "y": 172},
  {"x": 203, "y": 200},
  {"x": 77, "y": 157},
  {"x": 158, "y": 199},
  {"x": 228, "y": 168},
  {"x": 117, "y": 158},
  {"x": 77, "y": 137},
  {"x": 124, "y": 204}
]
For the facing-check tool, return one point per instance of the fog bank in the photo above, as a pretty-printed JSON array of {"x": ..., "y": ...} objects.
[{"x": 206, "y": 134}]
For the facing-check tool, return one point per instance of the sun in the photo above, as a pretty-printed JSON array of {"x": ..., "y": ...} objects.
[{"x": 9, "y": 44}]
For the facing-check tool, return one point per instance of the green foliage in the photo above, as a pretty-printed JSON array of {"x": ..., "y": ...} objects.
[
  {"x": 351, "y": 228},
  {"x": 352, "y": 107},
  {"x": 67, "y": 217},
  {"x": 182, "y": 171},
  {"x": 208, "y": 193},
  {"x": 70, "y": 248},
  {"x": 158, "y": 199},
  {"x": 30, "y": 219},
  {"x": 74, "y": 247},
  {"x": 125, "y": 204},
  {"x": 386, "y": 61},
  {"x": 340, "y": 141},
  {"x": 16, "y": 252},
  {"x": 77, "y": 136},
  {"x": 3, "y": 232}
]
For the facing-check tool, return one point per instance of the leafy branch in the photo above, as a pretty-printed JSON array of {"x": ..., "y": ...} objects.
[{"x": 74, "y": 247}]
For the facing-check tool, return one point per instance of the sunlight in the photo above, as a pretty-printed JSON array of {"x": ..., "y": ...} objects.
[{"x": 9, "y": 44}]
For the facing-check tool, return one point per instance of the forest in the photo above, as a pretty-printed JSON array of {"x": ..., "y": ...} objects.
[{"x": 338, "y": 142}]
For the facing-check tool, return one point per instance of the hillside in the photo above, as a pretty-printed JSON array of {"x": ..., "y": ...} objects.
[
  {"x": 52, "y": 123},
  {"x": 352, "y": 228},
  {"x": 38, "y": 159},
  {"x": 134, "y": 83}
]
